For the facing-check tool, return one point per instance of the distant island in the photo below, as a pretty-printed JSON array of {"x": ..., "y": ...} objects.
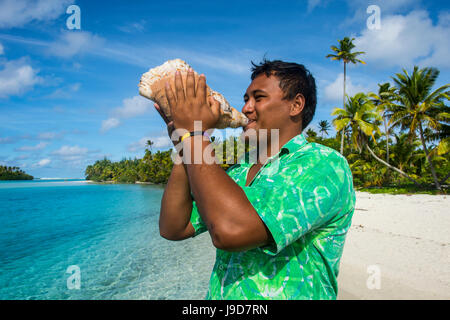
[
  {"x": 154, "y": 167},
  {"x": 13, "y": 173}
]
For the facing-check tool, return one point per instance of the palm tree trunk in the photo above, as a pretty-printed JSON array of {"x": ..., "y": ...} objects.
[
  {"x": 342, "y": 140},
  {"x": 445, "y": 179},
  {"x": 433, "y": 172},
  {"x": 391, "y": 167},
  {"x": 343, "y": 106},
  {"x": 387, "y": 139}
]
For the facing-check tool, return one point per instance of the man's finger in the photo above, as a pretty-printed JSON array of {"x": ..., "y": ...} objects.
[
  {"x": 201, "y": 89},
  {"x": 170, "y": 97},
  {"x": 215, "y": 107},
  {"x": 179, "y": 89},
  {"x": 190, "y": 84},
  {"x": 161, "y": 113}
]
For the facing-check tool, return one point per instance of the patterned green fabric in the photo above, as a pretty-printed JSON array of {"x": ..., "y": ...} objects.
[{"x": 305, "y": 196}]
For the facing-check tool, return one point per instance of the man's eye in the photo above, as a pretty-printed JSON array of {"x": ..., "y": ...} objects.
[{"x": 259, "y": 97}]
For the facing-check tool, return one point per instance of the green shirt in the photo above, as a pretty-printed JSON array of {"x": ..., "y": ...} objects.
[{"x": 305, "y": 197}]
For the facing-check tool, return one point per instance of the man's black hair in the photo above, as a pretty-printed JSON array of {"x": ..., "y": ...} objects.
[{"x": 294, "y": 78}]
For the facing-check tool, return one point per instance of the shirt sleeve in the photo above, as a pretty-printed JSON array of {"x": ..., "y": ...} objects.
[
  {"x": 304, "y": 194},
  {"x": 196, "y": 221}
]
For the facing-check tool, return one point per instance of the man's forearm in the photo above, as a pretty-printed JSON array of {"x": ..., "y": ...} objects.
[
  {"x": 222, "y": 204},
  {"x": 176, "y": 204}
]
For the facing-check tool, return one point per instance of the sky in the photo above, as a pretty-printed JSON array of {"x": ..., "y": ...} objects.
[{"x": 69, "y": 96}]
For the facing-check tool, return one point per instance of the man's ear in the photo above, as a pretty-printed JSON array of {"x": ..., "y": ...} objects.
[{"x": 297, "y": 105}]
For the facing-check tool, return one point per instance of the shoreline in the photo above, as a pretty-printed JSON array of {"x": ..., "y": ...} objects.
[{"x": 116, "y": 182}]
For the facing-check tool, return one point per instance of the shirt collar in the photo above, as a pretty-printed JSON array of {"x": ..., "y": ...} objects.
[{"x": 294, "y": 144}]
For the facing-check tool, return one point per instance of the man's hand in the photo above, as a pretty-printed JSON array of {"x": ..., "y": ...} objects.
[{"x": 194, "y": 105}]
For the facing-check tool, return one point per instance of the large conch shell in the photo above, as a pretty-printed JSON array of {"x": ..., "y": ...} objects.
[{"x": 152, "y": 86}]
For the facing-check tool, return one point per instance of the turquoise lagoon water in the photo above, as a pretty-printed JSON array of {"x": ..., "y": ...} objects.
[{"x": 109, "y": 231}]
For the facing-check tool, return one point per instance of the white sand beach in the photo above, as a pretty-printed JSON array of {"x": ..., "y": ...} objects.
[{"x": 406, "y": 238}]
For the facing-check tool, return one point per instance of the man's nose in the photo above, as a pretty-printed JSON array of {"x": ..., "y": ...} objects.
[{"x": 248, "y": 107}]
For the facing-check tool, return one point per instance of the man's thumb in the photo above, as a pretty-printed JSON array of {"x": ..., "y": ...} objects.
[{"x": 215, "y": 106}]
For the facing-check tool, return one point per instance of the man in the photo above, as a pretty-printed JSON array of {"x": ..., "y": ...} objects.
[{"x": 279, "y": 224}]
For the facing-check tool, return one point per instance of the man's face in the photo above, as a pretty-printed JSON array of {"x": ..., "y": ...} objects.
[{"x": 264, "y": 105}]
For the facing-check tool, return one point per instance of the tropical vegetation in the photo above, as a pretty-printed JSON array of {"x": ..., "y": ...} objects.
[
  {"x": 155, "y": 167},
  {"x": 13, "y": 173},
  {"x": 152, "y": 168}
]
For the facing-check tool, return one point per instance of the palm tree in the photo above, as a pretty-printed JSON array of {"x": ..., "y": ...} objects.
[
  {"x": 344, "y": 53},
  {"x": 404, "y": 152},
  {"x": 311, "y": 133},
  {"x": 149, "y": 144},
  {"x": 367, "y": 173},
  {"x": 324, "y": 127},
  {"x": 419, "y": 107},
  {"x": 361, "y": 116},
  {"x": 383, "y": 101}
]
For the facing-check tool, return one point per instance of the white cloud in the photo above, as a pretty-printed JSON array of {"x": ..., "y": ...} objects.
[
  {"x": 21, "y": 157},
  {"x": 67, "y": 44},
  {"x": 65, "y": 92},
  {"x": 333, "y": 92},
  {"x": 158, "y": 142},
  {"x": 39, "y": 146},
  {"x": 70, "y": 153},
  {"x": 133, "y": 27},
  {"x": 71, "y": 43},
  {"x": 237, "y": 64},
  {"x": 43, "y": 162},
  {"x": 109, "y": 124},
  {"x": 41, "y": 136},
  {"x": 404, "y": 40},
  {"x": 17, "y": 13},
  {"x": 2, "y": 50},
  {"x": 6, "y": 140},
  {"x": 444, "y": 19},
  {"x": 131, "y": 107},
  {"x": 17, "y": 77},
  {"x": 49, "y": 135}
]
